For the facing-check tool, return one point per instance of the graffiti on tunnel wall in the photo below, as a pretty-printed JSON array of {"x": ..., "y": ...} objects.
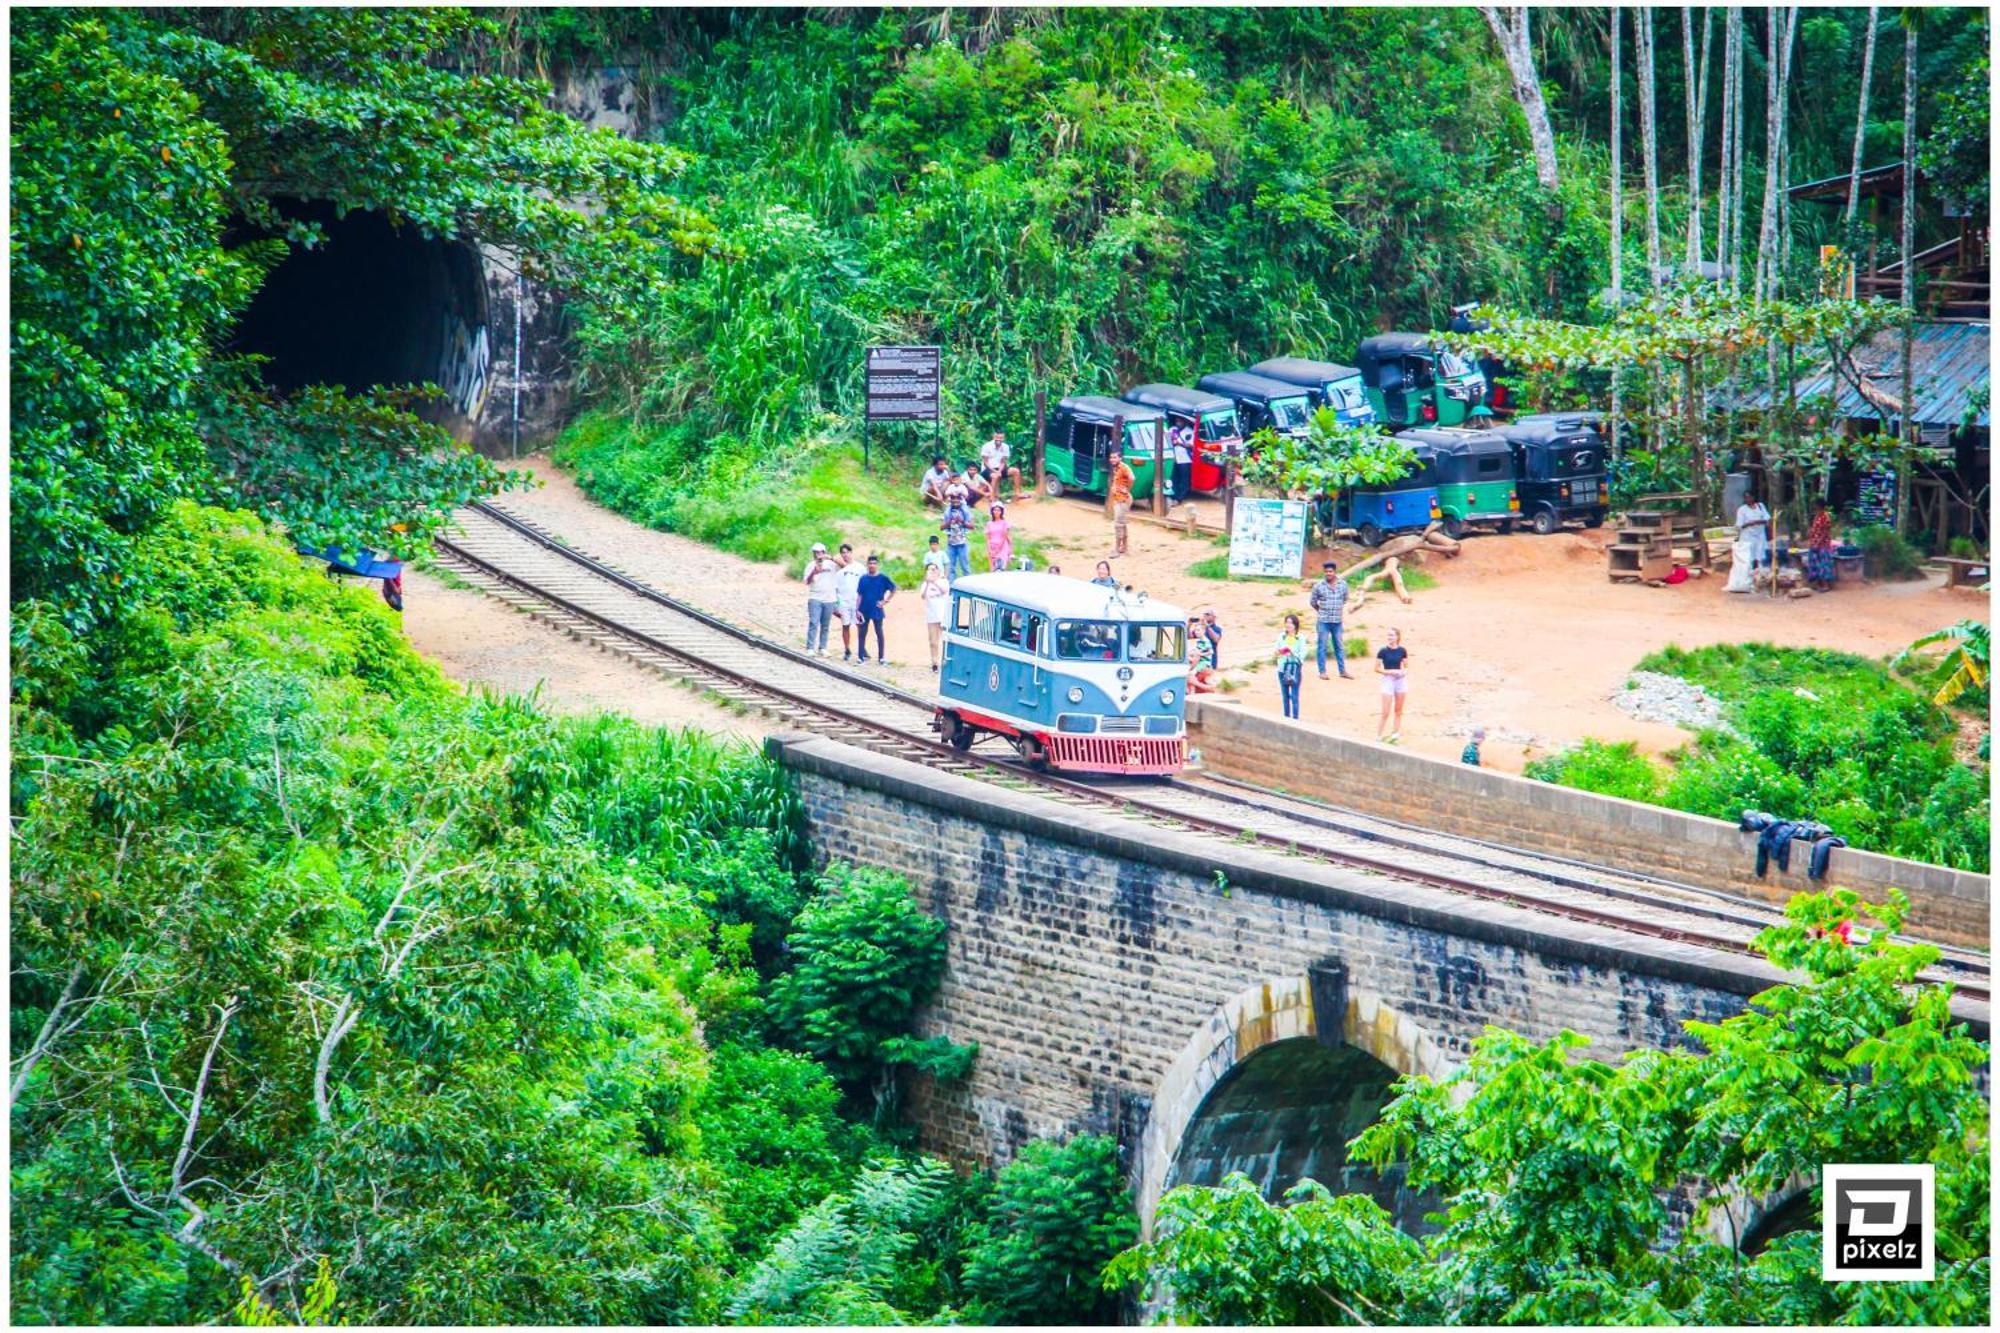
[{"x": 463, "y": 362}]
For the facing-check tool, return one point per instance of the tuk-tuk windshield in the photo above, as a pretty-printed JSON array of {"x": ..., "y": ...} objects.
[
  {"x": 1220, "y": 425},
  {"x": 1087, "y": 640},
  {"x": 1452, "y": 364},
  {"x": 1346, "y": 395},
  {"x": 1140, "y": 437},
  {"x": 1289, "y": 413},
  {"x": 1155, "y": 643}
]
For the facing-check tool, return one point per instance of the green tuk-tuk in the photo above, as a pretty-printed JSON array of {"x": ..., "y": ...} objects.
[
  {"x": 1078, "y": 439},
  {"x": 1475, "y": 478},
  {"x": 1413, "y": 383}
]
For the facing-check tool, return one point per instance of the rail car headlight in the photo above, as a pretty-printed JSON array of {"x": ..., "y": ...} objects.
[
  {"x": 1076, "y": 694},
  {"x": 1166, "y": 696}
]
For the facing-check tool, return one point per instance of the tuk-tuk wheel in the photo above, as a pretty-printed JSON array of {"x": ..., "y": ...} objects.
[
  {"x": 1368, "y": 535},
  {"x": 1454, "y": 528},
  {"x": 1545, "y": 521},
  {"x": 1594, "y": 521},
  {"x": 1052, "y": 486},
  {"x": 1506, "y": 526}
]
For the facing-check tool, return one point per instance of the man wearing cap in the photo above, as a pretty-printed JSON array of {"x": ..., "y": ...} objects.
[
  {"x": 957, "y": 528},
  {"x": 995, "y": 459},
  {"x": 822, "y": 580}
]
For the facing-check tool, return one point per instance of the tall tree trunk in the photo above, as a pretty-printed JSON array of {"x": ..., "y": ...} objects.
[
  {"x": 1861, "y": 118},
  {"x": 1783, "y": 26},
  {"x": 1737, "y": 174},
  {"x": 1510, "y": 30},
  {"x": 1909, "y": 268},
  {"x": 1697, "y": 112},
  {"x": 1617, "y": 208},
  {"x": 1642, "y": 36},
  {"x": 1723, "y": 164}
]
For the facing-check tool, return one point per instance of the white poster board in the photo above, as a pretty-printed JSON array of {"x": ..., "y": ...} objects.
[{"x": 1268, "y": 539}]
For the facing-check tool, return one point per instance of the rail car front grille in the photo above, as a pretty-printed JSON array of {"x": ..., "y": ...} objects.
[{"x": 1104, "y": 754}]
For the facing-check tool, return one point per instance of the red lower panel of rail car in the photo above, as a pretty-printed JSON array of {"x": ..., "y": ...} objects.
[{"x": 1115, "y": 754}]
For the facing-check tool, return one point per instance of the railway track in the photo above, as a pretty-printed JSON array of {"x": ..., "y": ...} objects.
[{"x": 516, "y": 561}]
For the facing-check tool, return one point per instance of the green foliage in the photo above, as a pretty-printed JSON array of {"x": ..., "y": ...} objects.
[
  {"x": 1331, "y": 457},
  {"x": 1955, "y": 155},
  {"x": 1814, "y": 734},
  {"x": 1058, "y": 1215},
  {"x": 859, "y": 1257},
  {"x": 253, "y": 1311},
  {"x": 865, "y": 958},
  {"x": 1964, "y": 668},
  {"x": 1886, "y": 555},
  {"x": 1556, "y": 1168},
  {"x": 1606, "y": 767}
]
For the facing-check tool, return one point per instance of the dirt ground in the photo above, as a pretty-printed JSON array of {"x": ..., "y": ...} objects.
[
  {"x": 1522, "y": 634},
  {"x": 478, "y": 641}
]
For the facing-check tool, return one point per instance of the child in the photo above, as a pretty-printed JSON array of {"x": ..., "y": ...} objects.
[
  {"x": 1470, "y": 755},
  {"x": 999, "y": 539}
]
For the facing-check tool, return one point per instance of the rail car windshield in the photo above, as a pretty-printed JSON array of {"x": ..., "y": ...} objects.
[
  {"x": 1087, "y": 640},
  {"x": 1155, "y": 643}
]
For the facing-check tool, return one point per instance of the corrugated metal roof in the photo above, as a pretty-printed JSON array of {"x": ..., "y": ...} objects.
[{"x": 1949, "y": 363}]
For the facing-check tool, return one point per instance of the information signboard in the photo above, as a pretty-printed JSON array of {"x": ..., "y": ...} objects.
[
  {"x": 1876, "y": 502},
  {"x": 903, "y": 383},
  {"x": 1267, "y": 539}
]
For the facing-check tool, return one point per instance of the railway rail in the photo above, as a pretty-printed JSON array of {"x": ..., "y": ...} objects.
[{"x": 517, "y": 561}]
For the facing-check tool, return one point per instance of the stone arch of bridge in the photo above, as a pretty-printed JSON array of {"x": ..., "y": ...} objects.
[{"x": 1269, "y": 1035}]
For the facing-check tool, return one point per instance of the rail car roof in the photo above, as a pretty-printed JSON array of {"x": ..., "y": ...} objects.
[
  {"x": 1299, "y": 369},
  {"x": 1249, "y": 382},
  {"x": 1174, "y": 396},
  {"x": 1096, "y": 405},
  {"x": 1455, "y": 440},
  {"x": 1065, "y": 598}
]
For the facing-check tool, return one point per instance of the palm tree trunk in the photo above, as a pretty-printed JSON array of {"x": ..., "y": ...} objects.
[
  {"x": 1784, "y": 27},
  {"x": 1861, "y": 118},
  {"x": 1697, "y": 112},
  {"x": 1642, "y": 35},
  {"x": 1737, "y": 174},
  {"x": 1617, "y": 209},
  {"x": 1909, "y": 293}
]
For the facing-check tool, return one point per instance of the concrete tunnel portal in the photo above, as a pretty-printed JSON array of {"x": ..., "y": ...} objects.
[{"x": 374, "y": 305}]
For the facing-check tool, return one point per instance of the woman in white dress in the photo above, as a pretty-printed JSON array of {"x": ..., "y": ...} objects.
[{"x": 937, "y": 605}]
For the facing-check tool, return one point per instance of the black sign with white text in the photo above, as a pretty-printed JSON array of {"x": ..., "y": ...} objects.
[
  {"x": 903, "y": 383},
  {"x": 1878, "y": 1223}
]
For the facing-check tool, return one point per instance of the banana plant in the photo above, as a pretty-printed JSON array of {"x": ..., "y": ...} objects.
[{"x": 1967, "y": 665}]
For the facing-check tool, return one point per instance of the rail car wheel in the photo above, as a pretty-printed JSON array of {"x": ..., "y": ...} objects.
[
  {"x": 957, "y": 734},
  {"x": 1052, "y": 486},
  {"x": 1033, "y": 753},
  {"x": 1368, "y": 535},
  {"x": 1545, "y": 522}
]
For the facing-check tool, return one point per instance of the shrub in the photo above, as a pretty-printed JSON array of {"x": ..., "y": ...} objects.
[
  {"x": 1058, "y": 1216},
  {"x": 1886, "y": 555},
  {"x": 1605, "y": 767},
  {"x": 1725, "y": 777}
]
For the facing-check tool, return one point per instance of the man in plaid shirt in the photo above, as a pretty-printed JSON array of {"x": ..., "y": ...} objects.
[{"x": 1329, "y": 604}]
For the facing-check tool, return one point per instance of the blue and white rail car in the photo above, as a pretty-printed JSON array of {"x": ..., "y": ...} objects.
[{"x": 1081, "y": 678}]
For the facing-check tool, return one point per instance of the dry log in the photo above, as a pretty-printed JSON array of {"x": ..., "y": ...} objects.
[{"x": 1395, "y": 568}]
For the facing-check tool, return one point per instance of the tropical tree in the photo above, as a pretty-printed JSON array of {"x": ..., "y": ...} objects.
[
  {"x": 1510, "y": 31},
  {"x": 1861, "y": 115},
  {"x": 1966, "y": 665}
]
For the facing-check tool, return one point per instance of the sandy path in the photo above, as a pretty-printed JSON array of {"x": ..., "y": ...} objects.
[
  {"x": 1522, "y": 634},
  {"x": 478, "y": 641}
]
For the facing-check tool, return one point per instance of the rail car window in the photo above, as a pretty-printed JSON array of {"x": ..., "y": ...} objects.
[
  {"x": 973, "y": 618},
  {"x": 1155, "y": 643},
  {"x": 1008, "y": 626},
  {"x": 1087, "y": 640},
  {"x": 1037, "y": 633}
]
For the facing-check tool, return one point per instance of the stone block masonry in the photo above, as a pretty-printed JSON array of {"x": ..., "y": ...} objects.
[
  {"x": 1948, "y": 906},
  {"x": 1111, "y": 971}
]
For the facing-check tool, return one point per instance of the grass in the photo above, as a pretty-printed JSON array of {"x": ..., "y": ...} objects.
[
  {"x": 1735, "y": 672},
  {"x": 769, "y": 510}
]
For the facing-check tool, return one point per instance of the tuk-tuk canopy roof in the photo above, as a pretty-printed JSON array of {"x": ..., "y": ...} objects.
[
  {"x": 1301, "y": 370},
  {"x": 1248, "y": 384},
  {"x": 1385, "y": 345},
  {"x": 1175, "y": 397},
  {"x": 1065, "y": 598},
  {"x": 1099, "y": 408},
  {"x": 1454, "y": 440},
  {"x": 1550, "y": 427}
]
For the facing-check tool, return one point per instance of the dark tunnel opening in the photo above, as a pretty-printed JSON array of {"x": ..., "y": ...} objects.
[
  {"x": 373, "y": 305},
  {"x": 1286, "y": 1114}
]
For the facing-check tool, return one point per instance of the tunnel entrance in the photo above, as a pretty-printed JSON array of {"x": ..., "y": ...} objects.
[
  {"x": 1286, "y": 1114},
  {"x": 372, "y": 305}
]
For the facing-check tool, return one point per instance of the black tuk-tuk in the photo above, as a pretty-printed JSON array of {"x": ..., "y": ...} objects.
[
  {"x": 1559, "y": 461},
  {"x": 1330, "y": 384},
  {"x": 1262, "y": 401}
]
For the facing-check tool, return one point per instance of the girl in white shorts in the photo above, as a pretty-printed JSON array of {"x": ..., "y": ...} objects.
[
  {"x": 937, "y": 605},
  {"x": 1389, "y": 665}
]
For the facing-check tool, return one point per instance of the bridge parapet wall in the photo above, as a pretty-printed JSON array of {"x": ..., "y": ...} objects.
[
  {"x": 1949, "y": 906},
  {"x": 1089, "y": 954}
]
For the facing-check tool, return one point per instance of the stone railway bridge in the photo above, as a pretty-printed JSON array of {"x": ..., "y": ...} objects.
[{"x": 1215, "y": 1006}]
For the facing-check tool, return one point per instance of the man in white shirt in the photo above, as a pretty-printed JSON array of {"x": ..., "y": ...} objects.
[
  {"x": 847, "y": 599},
  {"x": 994, "y": 457},
  {"x": 932, "y": 487},
  {"x": 1182, "y": 438},
  {"x": 822, "y": 580}
]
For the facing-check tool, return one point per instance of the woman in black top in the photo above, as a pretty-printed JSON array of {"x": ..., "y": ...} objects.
[{"x": 1389, "y": 666}]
